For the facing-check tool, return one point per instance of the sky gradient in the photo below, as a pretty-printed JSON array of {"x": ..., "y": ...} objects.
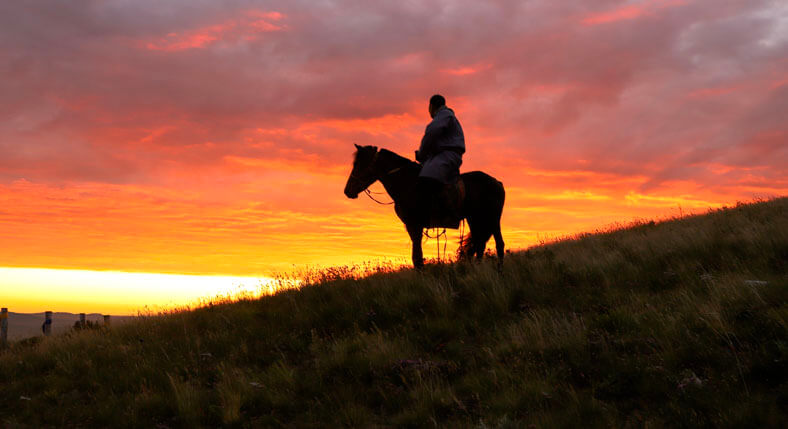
[{"x": 192, "y": 137}]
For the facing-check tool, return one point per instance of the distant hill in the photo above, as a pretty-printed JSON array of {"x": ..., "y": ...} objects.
[
  {"x": 680, "y": 323},
  {"x": 24, "y": 325}
]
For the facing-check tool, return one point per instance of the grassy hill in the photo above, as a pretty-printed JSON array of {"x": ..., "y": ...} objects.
[{"x": 680, "y": 323}]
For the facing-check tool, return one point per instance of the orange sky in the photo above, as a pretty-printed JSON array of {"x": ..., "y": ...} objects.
[{"x": 203, "y": 139}]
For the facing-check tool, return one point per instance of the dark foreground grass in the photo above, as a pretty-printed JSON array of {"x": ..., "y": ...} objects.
[{"x": 675, "y": 324}]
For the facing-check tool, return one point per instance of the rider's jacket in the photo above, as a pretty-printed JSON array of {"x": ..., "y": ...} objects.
[{"x": 442, "y": 146}]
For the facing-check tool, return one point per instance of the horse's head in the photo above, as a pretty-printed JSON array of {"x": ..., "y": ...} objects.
[{"x": 364, "y": 172}]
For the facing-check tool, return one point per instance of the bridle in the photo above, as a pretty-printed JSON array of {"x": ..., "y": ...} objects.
[{"x": 369, "y": 168}]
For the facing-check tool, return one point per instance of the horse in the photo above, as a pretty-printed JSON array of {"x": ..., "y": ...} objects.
[{"x": 482, "y": 205}]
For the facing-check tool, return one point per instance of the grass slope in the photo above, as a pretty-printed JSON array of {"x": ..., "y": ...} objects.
[{"x": 679, "y": 323}]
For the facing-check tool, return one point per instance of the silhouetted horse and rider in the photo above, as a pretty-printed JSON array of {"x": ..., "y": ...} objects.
[{"x": 432, "y": 193}]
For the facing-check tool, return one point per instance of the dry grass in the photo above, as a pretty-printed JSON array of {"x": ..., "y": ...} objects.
[{"x": 677, "y": 323}]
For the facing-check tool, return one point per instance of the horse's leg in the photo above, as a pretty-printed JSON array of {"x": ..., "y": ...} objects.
[
  {"x": 469, "y": 248},
  {"x": 499, "y": 244},
  {"x": 480, "y": 243},
  {"x": 416, "y": 254},
  {"x": 478, "y": 236}
]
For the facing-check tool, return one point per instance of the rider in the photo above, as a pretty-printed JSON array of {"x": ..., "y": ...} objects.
[{"x": 440, "y": 155}]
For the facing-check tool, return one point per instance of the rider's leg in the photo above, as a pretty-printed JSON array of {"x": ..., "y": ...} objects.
[{"x": 430, "y": 191}]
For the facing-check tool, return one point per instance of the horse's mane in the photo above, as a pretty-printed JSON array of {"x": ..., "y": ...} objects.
[{"x": 398, "y": 158}]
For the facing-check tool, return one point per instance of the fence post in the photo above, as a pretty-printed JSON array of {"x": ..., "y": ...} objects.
[
  {"x": 81, "y": 320},
  {"x": 3, "y": 328},
  {"x": 47, "y": 326},
  {"x": 106, "y": 320}
]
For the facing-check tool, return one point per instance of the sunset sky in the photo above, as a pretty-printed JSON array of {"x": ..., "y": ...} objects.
[{"x": 194, "y": 137}]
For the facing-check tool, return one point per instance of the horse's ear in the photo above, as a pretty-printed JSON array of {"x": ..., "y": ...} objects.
[{"x": 357, "y": 146}]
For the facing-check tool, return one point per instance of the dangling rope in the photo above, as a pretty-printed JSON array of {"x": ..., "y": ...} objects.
[
  {"x": 437, "y": 236},
  {"x": 462, "y": 235},
  {"x": 445, "y": 241}
]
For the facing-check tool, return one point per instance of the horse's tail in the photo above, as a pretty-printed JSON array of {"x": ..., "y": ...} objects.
[{"x": 466, "y": 247}]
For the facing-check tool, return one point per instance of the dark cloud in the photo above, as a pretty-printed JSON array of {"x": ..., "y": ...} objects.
[{"x": 119, "y": 92}]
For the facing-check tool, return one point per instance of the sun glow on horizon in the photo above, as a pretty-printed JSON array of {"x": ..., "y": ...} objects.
[{"x": 32, "y": 290}]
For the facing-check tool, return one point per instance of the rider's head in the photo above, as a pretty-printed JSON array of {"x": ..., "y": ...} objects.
[{"x": 436, "y": 102}]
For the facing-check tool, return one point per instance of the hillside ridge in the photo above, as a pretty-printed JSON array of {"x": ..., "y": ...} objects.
[{"x": 678, "y": 323}]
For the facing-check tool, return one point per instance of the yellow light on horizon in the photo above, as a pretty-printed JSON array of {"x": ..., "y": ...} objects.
[{"x": 32, "y": 290}]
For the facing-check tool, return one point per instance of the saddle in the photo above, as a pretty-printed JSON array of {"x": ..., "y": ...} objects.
[{"x": 447, "y": 212}]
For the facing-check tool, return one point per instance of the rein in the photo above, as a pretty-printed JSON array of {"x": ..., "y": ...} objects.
[{"x": 369, "y": 194}]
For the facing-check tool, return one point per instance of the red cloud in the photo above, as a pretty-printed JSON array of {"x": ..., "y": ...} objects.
[
  {"x": 467, "y": 70},
  {"x": 190, "y": 40},
  {"x": 247, "y": 27},
  {"x": 629, "y": 12}
]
